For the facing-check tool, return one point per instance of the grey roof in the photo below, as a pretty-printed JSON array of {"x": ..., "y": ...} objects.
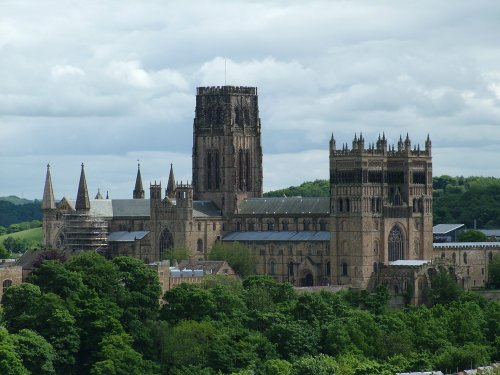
[
  {"x": 445, "y": 228},
  {"x": 141, "y": 208},
  {"x": 130, "y": 207},
  {"x": 285, "y": 205},
  {"x": 277, "y": 236},
  {"x": 124, "y": 236},
  {"x": 205, "y": 209},
  {"x": 491, "y": 232}
]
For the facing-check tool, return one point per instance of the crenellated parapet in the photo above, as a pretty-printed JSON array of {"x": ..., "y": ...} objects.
[
  {"x": 217, "y": 90},
  {"x": 403, "y": 148}
]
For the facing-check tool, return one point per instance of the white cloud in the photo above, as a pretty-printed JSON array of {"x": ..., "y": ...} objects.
[{"x": 98, "y": 80}]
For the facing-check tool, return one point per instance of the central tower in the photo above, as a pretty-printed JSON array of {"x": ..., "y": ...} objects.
[{"x": 227, "y": 150}]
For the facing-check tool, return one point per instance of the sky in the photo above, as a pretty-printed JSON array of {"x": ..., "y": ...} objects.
[{"x": 108, "y": 83}]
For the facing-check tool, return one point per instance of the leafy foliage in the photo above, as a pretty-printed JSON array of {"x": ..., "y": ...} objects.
[
  {"x": 239, "y": 257},
  {"x": 94, "y": 316},
  {"x": 472, "y": 235},
  {"x": 317, "y": 188}
]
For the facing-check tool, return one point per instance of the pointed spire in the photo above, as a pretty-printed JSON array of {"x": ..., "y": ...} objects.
[
  {"x": 171, "y": 186},
  {"x": 333, "y": 144},
  {"x": 139, "y": 190},
  {"x": 48, "y": 202},
  {"x": 107, "y": 194},
  {"x": 98, "y": 195},
  {"x": 82, "y": 199}
]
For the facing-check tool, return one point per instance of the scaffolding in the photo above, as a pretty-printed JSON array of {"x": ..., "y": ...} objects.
[{"x": 85, "y": 232}]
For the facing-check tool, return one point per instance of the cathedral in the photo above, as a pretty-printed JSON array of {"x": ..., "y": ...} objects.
[{"x": 376, "y": 226}]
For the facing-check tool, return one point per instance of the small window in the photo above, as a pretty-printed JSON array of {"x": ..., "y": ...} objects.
[
  {"x": 322, "y": 225},
  {"x": 251, "y": 226},
  {"x": 214, "y": 226},
  {"x": 284, "y": 224},
  {"x": 199, "y": 245},
  {"x": 199, "y": 226},
  {"x": 238, "y": 226},
  {"x": 272, "y": 267},
  {"x": 465, "y": 258},
  {"x": 270, "y": 225},
  {"x": 6, "y": 283},
  {"x": 344, "y": 269},
  {"x": 290, "y": 268},
  {"x": 328, "y": 269},
  {"x": 307, "y": 225},
  {"x": 454, "y": 256}
]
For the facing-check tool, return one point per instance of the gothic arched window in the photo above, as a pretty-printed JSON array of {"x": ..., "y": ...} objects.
[
  {"x": 199, "y": 245},
  {"x": 344, "y": 269},
  {"x": 396, "y": 246},
  {"x": 272, "y": 267},
  {"x": 166, "y": 243}
]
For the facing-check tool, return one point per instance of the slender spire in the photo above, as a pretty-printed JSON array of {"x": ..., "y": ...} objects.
[
  {"x": 139, "y": 190},
  {"x": 107, "y": 194},
  {"x": 48, "y": 202},
  {"x": 82, "y": 199},
  {"x": 171, "y": 186},
  {"x": 98, "y": 195}
]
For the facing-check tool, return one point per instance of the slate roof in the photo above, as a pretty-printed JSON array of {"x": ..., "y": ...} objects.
[
  {"x": 285, "y": 205},
  {"x": 140, "y": 208},
  {"x": 278, "y": 236},
  {"x": 205, "y": 209},
  {"x": 125, "y": 236},
  {"x": 490, "y": 232},
  {"x": 445, "y": 228}
]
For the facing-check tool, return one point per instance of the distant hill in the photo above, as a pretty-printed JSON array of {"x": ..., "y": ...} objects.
[
  {"x": 317, "y": 188},
  {"x": 11, "y": 213},
  {"x": 16, "y": 200},
  {"x": 457, "y": 200}
]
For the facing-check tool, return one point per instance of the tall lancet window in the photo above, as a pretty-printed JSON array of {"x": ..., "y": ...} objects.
[{"x": 396, "y": 246}]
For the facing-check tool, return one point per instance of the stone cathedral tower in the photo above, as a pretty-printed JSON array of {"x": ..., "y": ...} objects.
[
  {"x": 227, "y": 151},
  {"x": 381, "y": 206}
]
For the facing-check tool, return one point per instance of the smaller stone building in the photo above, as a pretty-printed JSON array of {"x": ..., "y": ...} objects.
[{"x": 10, "y": 274}]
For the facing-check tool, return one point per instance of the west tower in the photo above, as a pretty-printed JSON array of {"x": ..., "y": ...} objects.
[
  {"x": 227, "y": 151},
  {"x": 381, "y": 206}
]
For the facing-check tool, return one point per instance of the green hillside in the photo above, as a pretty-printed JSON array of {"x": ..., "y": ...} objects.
[
  {"x": 32, "y": 236},
  {"x": 16, "y": 200}
]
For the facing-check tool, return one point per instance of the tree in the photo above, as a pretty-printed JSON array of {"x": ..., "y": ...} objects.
[
  {"x": 494, "y": 271},
  {"x": 188, "y": 343},
  {"x": 318, "y": 365},
  {"x": 175, "y": 254},
  {"x": 52, "y": 276},
  {"x": 4, "y": 253},
  {"x": 472, "y": 235},
  {"x": 117, "y": 357},
  {"x": 443, "y": 289},
  {"x": 37, "y": 354},
  {"x": 187, "y": 302},
  {"x": 10, "y": 361},
  {"x": 16, "y": 245},
  {"x": 239, "y": 257}
]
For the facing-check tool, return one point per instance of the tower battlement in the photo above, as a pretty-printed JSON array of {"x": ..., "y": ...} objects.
[
  {"x": 217, "y": 90},
  {"x": 381, "y": 148}
]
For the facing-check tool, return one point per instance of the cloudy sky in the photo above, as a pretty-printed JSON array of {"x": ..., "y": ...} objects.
[{"x": 111, "y": 82}]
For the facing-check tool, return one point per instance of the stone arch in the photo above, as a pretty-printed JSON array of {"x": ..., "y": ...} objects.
[
  {"x": 395, "y": 243},
  {"x": 165, "y": 243}
]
